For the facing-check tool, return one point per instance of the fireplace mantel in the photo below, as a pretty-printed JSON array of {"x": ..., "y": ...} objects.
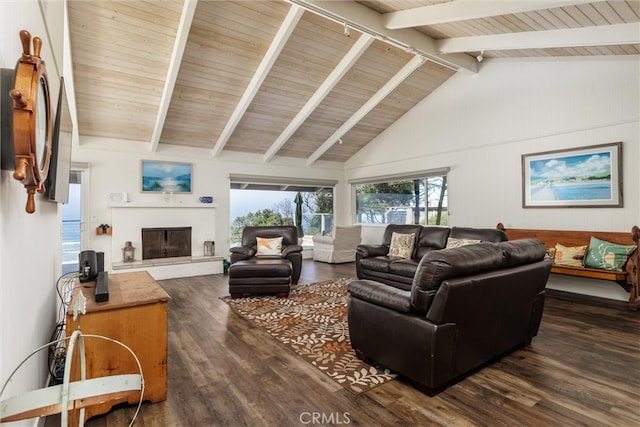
[{"x": 162, "y": 205}]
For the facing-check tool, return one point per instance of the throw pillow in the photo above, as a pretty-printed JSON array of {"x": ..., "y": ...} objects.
[
  {"x": 551, "y": 254},
  {"x": 401, "y": 245},
  {"x": 452, "y": 242},
  {"x": 572, "y": 256},
  {"x": 607, "y": 255},
  {"x": 269, "y": 246}
]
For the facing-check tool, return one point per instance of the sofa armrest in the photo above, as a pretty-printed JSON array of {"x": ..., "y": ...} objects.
[
  {"x": 243, "y": 250},
  {"x": 372, "y": 250},
  {"x": 380, "y": 294},
  {"x": 241, "y": 253},
  {"x": 291, "y": 249},
  {"x": 326, "y": 240}
]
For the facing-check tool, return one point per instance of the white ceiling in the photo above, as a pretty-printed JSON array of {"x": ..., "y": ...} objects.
[{"x": 315, "y": 80}]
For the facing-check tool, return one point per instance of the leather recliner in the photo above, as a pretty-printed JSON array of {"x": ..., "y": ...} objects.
[{"x": 291, "y": 250}]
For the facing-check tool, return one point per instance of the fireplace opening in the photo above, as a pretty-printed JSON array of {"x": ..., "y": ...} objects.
[{"x": 166, "y": 242}]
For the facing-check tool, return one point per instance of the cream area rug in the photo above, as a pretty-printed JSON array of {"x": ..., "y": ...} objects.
[{"x": 312, "y": 321}]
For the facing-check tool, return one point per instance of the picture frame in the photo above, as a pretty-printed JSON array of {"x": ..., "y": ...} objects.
[
  {"x": 586, "y": 177},
  {"x": 169, "y": 177}
]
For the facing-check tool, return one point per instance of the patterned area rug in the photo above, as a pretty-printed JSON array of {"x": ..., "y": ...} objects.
[{"x": 313, "y": 322}]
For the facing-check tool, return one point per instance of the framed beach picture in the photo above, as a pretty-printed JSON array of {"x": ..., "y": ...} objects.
[
  {"x": 172, "y": 177},
  {"x": 580, "y": 177}
]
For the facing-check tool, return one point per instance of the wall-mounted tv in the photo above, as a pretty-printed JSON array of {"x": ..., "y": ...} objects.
[{"x": 57, "y": 184}]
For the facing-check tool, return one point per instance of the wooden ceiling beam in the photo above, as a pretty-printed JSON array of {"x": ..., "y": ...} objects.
[
  {"x": 270, "y": 57},
  {"x": 394, "y": 82},
  {"x": 602, "y": 35},
  {"x": 188, "y": 10},
  {"x": 359, "y": 47},
  {"x": 364, "y": 19},
  {"x": 462, "y": 10}
]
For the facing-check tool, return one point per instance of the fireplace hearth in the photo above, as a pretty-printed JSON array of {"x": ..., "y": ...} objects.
[{"x": 166, "y": 242}]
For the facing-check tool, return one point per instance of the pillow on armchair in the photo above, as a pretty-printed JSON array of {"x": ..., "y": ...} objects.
[{"x": 269, "y": 246}]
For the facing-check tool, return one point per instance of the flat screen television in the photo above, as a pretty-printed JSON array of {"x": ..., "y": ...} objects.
[{"x": 57, "y": 183}]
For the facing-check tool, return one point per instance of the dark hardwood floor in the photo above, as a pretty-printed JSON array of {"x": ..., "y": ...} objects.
[{"x": 582, "y": 369}]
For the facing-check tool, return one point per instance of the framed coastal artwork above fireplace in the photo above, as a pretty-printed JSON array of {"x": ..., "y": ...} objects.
[
  {"x": 170, "y": 177},
  {"x": 587, "y": 177}
]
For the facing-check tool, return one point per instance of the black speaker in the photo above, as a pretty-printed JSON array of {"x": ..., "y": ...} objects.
[
  {"x": 7, "y": 152},
  {"x": 88, "y": 262},
  {"x": 100, "y": 261}
]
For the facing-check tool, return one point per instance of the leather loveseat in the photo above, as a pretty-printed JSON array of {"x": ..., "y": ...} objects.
[
  {"x": 466, "y": 306},
  {"x": 374, "y": 263}
]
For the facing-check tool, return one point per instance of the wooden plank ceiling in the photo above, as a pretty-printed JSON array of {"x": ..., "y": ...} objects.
[{"x": 306, "y": 79}]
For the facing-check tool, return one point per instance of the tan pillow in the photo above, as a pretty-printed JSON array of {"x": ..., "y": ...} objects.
[
  {"x": 401, "y": 245},
  {"x": 551, "y": 254},
  {"x": 269, "y": 247},
  {"x": 572, "y": 256},
  {"x": 452, "y": 242}
]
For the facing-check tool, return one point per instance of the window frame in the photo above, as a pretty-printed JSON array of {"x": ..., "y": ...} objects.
[
  {"x": 408, "y": 176},
  {"x": 283, "y": 184}
]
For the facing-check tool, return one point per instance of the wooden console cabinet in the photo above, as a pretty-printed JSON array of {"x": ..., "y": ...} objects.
[{"x": 136, "y": 315}]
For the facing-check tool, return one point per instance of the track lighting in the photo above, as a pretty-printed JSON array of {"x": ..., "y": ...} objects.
[
  {"x": 480, "y": 57},
  {"x": 340, "y": 141},
  {"x": 346, "y": 30}
]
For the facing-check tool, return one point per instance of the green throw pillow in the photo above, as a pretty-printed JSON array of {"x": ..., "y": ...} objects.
[{"x": 607, "y": 255}]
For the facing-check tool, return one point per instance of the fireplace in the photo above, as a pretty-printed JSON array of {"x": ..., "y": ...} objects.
[
  {"x": 128, "y": 220},
  {"x": 166, "y": 242}
]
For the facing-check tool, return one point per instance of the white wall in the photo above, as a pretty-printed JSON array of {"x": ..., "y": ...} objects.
[
  {"x": 119, "y": 171},
  {"x": 29, "y": 244},
  {"x": 480, "y": 125}
]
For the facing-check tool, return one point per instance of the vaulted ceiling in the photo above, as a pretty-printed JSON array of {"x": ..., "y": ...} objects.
[{"x": 314, "y": 80}]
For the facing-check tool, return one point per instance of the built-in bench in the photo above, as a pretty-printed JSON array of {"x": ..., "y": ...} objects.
[{"x": 628, "y": 278}]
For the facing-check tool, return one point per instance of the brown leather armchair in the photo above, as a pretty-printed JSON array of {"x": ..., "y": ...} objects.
[{"x": 291, "y": 250}]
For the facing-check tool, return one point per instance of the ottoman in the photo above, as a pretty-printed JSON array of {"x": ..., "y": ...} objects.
[{"x": 260, "y": 276}]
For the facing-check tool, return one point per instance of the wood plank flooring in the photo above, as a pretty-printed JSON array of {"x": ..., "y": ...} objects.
[{"x": 582, "y": 369}]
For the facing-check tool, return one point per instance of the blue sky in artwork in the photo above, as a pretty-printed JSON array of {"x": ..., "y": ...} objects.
[
  {"x": 165, "y": 169},
  {"x": 579, "y": 166}
]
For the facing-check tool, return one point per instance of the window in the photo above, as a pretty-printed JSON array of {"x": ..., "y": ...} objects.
[
  {"x": 259, "y": 200},
  {"x": 72, "y": 223},
  {"x": 403, "y": 200}
]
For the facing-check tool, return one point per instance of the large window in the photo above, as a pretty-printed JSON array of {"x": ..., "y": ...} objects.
[
  {"x": 403, "y": 200},
  {"x": 259, "y": 200}
]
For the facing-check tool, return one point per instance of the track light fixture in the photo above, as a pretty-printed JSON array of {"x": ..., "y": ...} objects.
[
  {"x": 480, "y": 57},
  {"x": 340, "y": 141},
  {"x": 346, "y": 30}
]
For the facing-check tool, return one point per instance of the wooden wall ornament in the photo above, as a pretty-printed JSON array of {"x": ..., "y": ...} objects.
[{"x": 32, "y": 124}]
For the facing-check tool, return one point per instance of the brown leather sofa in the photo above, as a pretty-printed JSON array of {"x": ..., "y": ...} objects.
[
  {"x": 249, "y": 273},
  {"x": 466, "y": 306},
  {"x": 373, "y": 263}
]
